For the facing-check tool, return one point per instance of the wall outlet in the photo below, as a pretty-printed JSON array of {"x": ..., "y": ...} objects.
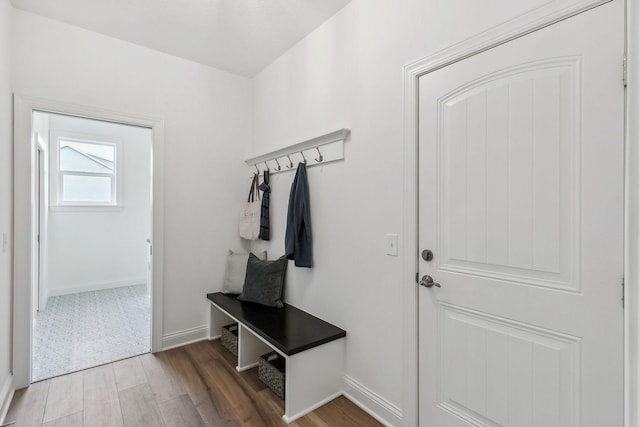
[{"x": 392, "y": 244}]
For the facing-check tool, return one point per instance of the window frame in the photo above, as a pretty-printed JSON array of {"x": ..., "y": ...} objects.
[{"x": 56, "y": 187}]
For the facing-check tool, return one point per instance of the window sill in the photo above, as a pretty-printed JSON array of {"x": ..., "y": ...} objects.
[{"x": 85, "y": 208}]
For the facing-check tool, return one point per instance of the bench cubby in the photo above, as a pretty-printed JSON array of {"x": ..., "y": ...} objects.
[{"x": 313, "y": 348}]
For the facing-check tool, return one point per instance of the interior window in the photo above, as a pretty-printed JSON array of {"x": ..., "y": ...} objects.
[{"x": 86, "y": 172}]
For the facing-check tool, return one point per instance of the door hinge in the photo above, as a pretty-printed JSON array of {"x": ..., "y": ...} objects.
[
  {"x": 622, "y": 284},
  {"x": 624, "y": 70},
  {"x": 417, "y": 277}
]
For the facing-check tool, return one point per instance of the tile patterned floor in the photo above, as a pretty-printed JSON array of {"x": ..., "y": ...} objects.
[{"x": 78, "y": 331}]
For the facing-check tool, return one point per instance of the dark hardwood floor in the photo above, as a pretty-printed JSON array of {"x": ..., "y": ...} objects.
[{"x": 195, "y": 385}]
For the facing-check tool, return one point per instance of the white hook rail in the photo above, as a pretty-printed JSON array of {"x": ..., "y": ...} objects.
[{"x": 316, "y": 151}]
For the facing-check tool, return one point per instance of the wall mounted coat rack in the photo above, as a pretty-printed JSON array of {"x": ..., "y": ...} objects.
[{"x": 316, "y": 151}]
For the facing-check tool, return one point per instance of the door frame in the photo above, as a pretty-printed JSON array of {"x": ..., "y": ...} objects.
[
  {"x": 463, "y": 50},
  {"x": 632, "y": 220},
  {"x": 41, "y": 238},
  {"x": 24, "y": 147}
]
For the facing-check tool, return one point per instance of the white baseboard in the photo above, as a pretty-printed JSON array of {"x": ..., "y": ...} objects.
[
  {"x": 96, "y": 286},
  {"x": 372, "y": 403},
  {"x": 188, "y": 336},
  {"x": 312, "y": 408},
  {"x": 6, "y": 394},
  {"x": 246, "y": 368}
]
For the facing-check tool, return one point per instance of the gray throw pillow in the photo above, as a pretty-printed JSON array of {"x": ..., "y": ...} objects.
[
  {"x": 264, "y": 281},
  {"x": 236, "y": 271}
]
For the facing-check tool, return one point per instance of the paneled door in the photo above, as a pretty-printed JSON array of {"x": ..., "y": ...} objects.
[{"x": 521, "y": 204}]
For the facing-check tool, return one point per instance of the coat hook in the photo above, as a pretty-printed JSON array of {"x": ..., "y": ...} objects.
[
  {"x": 290, "y": 162},
  {"x": 267, "y": 165},
  {"x": 277, "y": 163},
  {"x": 304, "y": 159},
  {"x": 319, "y": 159},
  {"x": 257, "y": 170}
]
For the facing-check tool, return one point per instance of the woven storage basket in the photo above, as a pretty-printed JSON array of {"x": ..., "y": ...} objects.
[
  {"x": 271, "y": 369},
  {"x": 230, "y": 338}
]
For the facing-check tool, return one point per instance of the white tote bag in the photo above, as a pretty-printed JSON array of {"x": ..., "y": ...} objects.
[{"x": 249, "y": 225}]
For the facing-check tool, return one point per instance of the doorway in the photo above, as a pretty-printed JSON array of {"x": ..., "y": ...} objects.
[
  {"x": 521, "y": 166},
  {"x": 25, "y": 283},
  {"x": 90, "y": 275}
]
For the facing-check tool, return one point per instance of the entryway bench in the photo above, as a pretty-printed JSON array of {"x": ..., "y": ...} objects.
[{"x": 313, "y": 348}]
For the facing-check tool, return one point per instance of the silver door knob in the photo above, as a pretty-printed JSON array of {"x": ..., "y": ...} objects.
[{"x": 427, "y": 282}]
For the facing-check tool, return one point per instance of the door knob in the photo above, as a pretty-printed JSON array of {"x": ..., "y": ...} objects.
[{"x": 427, "y": 282}]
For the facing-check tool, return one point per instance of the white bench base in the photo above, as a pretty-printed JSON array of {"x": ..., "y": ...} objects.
[{"x": 313, "y": 377}]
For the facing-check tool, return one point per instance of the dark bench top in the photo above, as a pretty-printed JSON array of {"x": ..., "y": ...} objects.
[{"x": 288, "y": 329}]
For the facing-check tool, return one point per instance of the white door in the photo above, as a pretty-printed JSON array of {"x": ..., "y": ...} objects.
[
  {"x": 37, "y": 229},
  {"x": 521, "y": 202},
  {"x": 43, "y": 223},
  {"x": 40, "y": 225}
]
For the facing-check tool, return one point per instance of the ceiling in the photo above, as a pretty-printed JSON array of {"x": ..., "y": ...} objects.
[{"x": 239, "y": 36}]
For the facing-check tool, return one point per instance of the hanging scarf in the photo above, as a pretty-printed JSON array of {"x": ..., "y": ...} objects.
[{"x": 264, "y": 212}]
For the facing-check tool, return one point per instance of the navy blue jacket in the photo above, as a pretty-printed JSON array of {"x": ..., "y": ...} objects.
[{"x": 297, "y": 240}]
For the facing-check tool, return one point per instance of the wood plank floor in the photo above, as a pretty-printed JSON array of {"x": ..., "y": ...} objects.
[{"x": 194, "y": 385}]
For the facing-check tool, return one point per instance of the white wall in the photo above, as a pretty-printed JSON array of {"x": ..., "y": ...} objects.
[
  {"x": 205, "y": 112},
  {"x": 349, "y": 73},
  {"x": 103, "y": 248},
  {"x": 6, "y": 198}
]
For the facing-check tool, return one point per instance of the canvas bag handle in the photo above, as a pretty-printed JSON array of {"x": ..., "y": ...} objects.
[{"x": 253, "y": 191}]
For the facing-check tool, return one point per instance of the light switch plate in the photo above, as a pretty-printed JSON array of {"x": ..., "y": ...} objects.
[{"x": 392, "y": 244}]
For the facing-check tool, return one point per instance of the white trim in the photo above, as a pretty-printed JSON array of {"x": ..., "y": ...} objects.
[
  {"x": 247, "y": 367},
  {"x": 42, "y": 157},
  {"x": 384, "y": 411},
  {"x": 6, "y": 395},
  {"x": 632, "y": 220},
  {"x": 482, "y": 42},
  {"x": 22, "y": 272},
  {"x": 311, "y": 408},
  {"x": 22, "y": 276},
  {"x": 505, "y": 32},
  {"x": 56, "y": 191},
  {"x": 86, "y": 208},
  {"x": 409, "y": 248},
  {"x": 96, "y": 286},
  {"x": 188, "y": 336},
  {"x": 338, "y": 135}
]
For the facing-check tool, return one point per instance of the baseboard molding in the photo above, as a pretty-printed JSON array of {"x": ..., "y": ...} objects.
[
  {"x": 246, "y": 368},
  {"x": 6, "y": 394},
  {"x": 312, "y": 408},
  {"x": 188, "y": 336},
  {"x": 96, "y": 286},
  {"x": 372, "y": 403}
]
